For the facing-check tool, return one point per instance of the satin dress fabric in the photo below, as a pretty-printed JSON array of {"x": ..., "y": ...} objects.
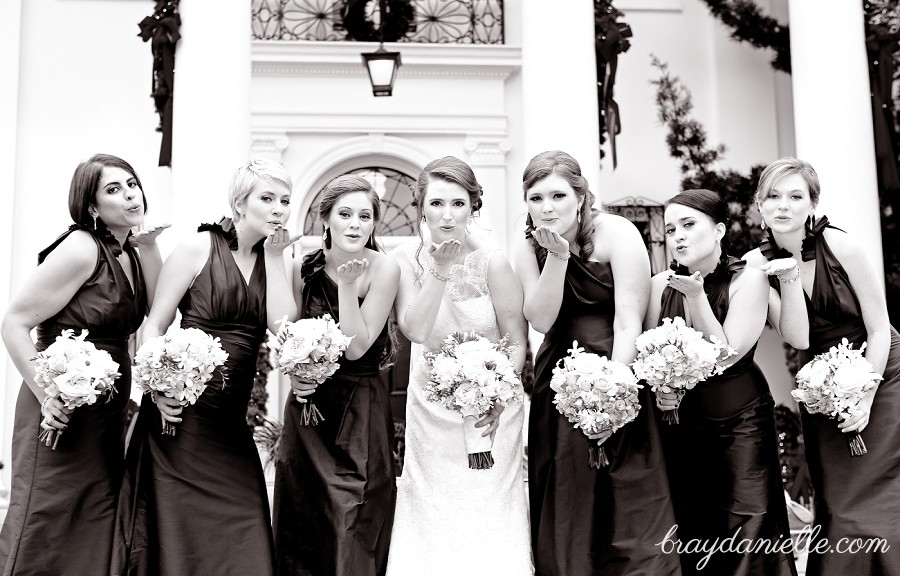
[
  {"x": 63, "y": 502},
  {"x": 722, "y": 456},
  {"x": 586, "y": 521},
  {"x": 196, "y": 503},
  {"x": 855, "y": 497},
  {"x": 334, "y": 482}
]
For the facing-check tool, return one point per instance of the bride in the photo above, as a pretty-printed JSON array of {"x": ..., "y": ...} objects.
[{"x": 450, "y": 519}]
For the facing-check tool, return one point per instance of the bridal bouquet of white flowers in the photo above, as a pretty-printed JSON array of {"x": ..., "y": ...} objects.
[
  {"x": 595, "y": 394},
  {"x": 177, "y": 364},
  {"x": 471, "y": 375},
  {"x": 834, "y": 382},
  {"x": 674, "y": 357},
  {"x": 74, "y": 371},
  {"x": 309, "y": 350}
]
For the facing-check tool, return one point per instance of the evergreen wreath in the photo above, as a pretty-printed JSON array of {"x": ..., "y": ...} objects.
[{"x": 395, "y": 21}]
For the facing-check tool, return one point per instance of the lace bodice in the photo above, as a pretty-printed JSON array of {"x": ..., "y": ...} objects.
[{"x": 466, "y": 305}]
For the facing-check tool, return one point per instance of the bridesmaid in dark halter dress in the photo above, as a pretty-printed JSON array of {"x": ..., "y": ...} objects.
[
  {"x": 722, "y": 456},
  {"x": 826, "y": 290},
  {"x": 63, "y": 502},
  {"x": 586, "y": 277},
  {"x": 197, "y": 501}
]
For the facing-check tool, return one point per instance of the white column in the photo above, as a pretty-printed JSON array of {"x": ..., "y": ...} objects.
[
  {"x": 10, "y": 42},
  {"x": 211, "y": 117},
  {"x": 833, "y": 116},
  {"x": 487, "y": 157},
  {"x": 559, "y": 82}
]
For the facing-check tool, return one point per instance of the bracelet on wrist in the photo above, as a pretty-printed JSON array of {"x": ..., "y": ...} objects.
[
  {"x": 792, "y": 279},
  {"x": 435, "y": 273},
  {"x": 558, "y": 257}
]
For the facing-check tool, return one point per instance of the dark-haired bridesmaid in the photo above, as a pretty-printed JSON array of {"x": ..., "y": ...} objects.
[
  {"x": 722, "y": 456},
  {"x": 63, "y": 501}
]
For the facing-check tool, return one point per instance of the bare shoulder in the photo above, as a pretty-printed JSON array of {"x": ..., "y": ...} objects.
[
  {"x": 607, "y": 224},
  {"x": 383, "y": 265},
  {"x": 749, "y": 276},
  {"x": 754, "y": 258},
  {"x": 844, "y": 247},
  {"x": 78, "y": 250}
]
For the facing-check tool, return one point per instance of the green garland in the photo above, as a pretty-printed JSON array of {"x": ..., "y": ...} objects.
[{"x": 749, "y": 24}]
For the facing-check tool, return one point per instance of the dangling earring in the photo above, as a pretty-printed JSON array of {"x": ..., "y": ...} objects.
[
  {"x": 94, "y": 216},
  {"x": 718, "y": 250},
  {"x": 762, "y": 225},
  {"x": 326, "y": 239},
  {"x": 578, "y": 217}
]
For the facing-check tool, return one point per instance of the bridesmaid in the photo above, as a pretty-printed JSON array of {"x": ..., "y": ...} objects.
[
  {"x": 63, "y": 502},
  {"x": 334, "y": 481},
  {"x": 200, "y": 496},
  {"x": 722, "y": 457},
  {"x": 827, "y": 290},
  {"x": 586, "y": 277}
]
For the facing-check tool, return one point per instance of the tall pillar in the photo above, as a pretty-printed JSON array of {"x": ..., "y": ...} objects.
[
  {"x": 211, "y": 116},
  {"x": 487, "y": 156},
  {"x": 559, "y": 82},
  {"x": 10, "y": 54},
  {"x": 833, "y": 116}
]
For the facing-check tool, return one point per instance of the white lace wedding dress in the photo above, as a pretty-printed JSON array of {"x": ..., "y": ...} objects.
[{"x": 452, "y": 520}]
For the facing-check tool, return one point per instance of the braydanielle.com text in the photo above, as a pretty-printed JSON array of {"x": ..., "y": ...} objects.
[{"x": 806, "y": 541}]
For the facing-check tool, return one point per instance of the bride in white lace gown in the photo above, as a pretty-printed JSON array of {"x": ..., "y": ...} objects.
[{"x": 450, "y": 519}]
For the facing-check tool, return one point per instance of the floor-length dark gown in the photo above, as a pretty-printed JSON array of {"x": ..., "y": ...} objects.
[
  {"x": 586, "y": 521},
  {"x": 722, "y": 456},
  {"x": 334, "y": 482},
  {"x": 63, "y": 502},
  {"x": 198, "y": 501},
  {"x": 855, "y": 497}
]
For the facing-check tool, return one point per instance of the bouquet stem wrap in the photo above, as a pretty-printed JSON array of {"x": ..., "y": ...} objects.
[
  {"x": 671, "y": 416},
  {"x": 856, "y": 444},
  {"x": 50, "y": 438},
  {"x": 478, "y": 447},
  {"x": 309, "y": 414},
  {"x": 597, "y": 456}
]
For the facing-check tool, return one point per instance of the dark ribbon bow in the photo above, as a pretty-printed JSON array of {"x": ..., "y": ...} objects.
[
  {"x": 772, "y": 251},
  {"x": 225, "y": 229},
  {"x": 725, "y": 268},
  {"x": 102, "y": 233}
]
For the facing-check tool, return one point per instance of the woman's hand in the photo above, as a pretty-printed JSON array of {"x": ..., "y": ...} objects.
[
  {"x": 278, "y": 240},
  {"x": 349, "y": 272},
  {"x": 668, "y": 400},
  {"x": 302, "y": 388},
  {"x": 445, "y": 253},
  {"x": 551, "y": 241},
  {"x": 169, "y": 408},
  {"x": 691, "y": 286},
  {"x": 601, "y": 436},
  {"x": 860, "y": 418},
  {"x": 55, "y": 414},
  {"x": 783, "y": 268},
  {"x": 491, "y": 420},
  {"x": 147, "y": 238}
]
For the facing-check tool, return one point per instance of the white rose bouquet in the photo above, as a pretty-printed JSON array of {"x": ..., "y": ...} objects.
[
  {"x": 595, "y": 394},
  {"x": 74, "y": 371},
  {"x": 471, "y": 375},
  {"x": 674, "y": 357},
  {"x": 178, "y": 364},
  {"x": 309, "y": 349},
  {"x": 834, "y": 382}
]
